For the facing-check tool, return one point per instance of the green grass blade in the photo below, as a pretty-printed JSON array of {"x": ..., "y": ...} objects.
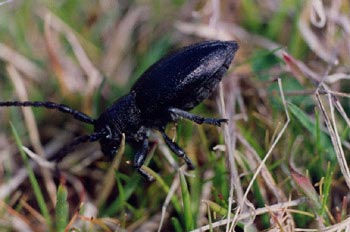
[
  {"x": 61, "y": 209},
  {"x": 326, "y": 191},
  {"x": 176, "y": 224},
  {"x": 319, "y": 136},
  {"x": 189, "y": 224},
  {"x": 279, "y": 19},
  {"x": 165, "y": 187},
  {"x": 252, "y": 17},
  {"x": 210, "y": 220},
  {"x": 34, "y": 182},
  {"x": 218, "y": 209}
]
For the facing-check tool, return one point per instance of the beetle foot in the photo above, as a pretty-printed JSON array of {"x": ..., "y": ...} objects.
[
  {"x": 190, "y": 165},
  {"x": 178, "y": 151},
  {"x": 215, "y": 121}
]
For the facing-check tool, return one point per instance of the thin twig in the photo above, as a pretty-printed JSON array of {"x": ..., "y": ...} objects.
[
  {"x": 109, "y": 180},
  {"x": 272, "y": 208},
  {"x": 32, "y": 128},
  {"x": 333, "y": 132},
  {"x": 174, "y": 186},
  {"x": 267, "y": 154}
]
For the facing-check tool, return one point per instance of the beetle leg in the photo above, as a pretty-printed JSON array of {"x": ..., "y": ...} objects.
[
  {"x": 70, "y": 147},
  {"x": 196, "y": 118},
  {"x": 177, "y": 150},
  {"x": 141, "y": 154},
  {"x": 139, "y": 159}
]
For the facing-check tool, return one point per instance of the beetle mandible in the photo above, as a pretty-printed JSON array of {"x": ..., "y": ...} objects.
[{"x": 164, "y": 93}]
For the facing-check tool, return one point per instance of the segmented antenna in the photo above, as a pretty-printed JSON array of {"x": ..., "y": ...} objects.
[{"x": 51, "y": 105}]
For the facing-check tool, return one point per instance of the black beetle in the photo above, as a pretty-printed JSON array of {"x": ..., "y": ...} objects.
[{"x": 163, "y": 94}]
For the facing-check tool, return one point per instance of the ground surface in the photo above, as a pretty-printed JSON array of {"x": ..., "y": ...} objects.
[{"x": 280, "y": 164}]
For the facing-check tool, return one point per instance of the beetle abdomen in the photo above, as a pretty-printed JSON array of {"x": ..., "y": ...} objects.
[
  {"x": 184, "y": 78},
  {"x": 197, "y": 95}
]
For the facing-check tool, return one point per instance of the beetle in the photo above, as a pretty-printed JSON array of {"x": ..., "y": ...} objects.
[{"x": 164, "y": 93}]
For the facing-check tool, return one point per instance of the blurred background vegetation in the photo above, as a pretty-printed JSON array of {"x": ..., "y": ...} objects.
[{"x": 279, "y": 165}]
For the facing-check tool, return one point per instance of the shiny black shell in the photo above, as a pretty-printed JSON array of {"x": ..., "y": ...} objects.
[{"x": 183, "y": 79}]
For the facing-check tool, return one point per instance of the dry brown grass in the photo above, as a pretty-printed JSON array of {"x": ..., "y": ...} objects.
[{"x": 280, "y": 164}]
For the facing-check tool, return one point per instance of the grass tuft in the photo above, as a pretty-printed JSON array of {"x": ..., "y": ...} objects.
[{"x": 281, "y": 163}]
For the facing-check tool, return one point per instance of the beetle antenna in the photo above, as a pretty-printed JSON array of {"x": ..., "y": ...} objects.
[
  {"x": 51, "y": 105},
  {"x": 81, "y": 139}
]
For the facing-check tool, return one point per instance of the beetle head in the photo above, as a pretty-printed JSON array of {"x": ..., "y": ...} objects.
[{"x": 110, "y": 143}]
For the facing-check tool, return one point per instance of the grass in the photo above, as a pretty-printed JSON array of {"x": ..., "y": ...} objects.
[{"x": 280, "y": 163}]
